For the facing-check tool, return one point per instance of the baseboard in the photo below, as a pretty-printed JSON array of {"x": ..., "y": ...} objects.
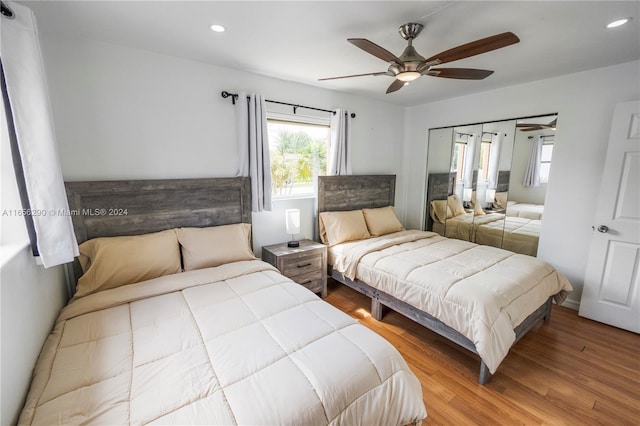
[{"x": 571, "y": 304}]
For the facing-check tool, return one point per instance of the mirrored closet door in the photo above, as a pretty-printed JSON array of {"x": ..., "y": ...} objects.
[{"x": 486, "y": 183}]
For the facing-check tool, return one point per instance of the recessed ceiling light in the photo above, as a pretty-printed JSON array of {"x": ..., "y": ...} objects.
[
  {"x": 217, "y": 28},
  {"x": 618, "y": 22}
]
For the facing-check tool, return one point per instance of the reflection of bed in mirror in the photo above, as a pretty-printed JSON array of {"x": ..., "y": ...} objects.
[
  {"x": 500, "y": 172},
  {"x": 518, "y": 231},
  {"x": 525, "y": 210}
]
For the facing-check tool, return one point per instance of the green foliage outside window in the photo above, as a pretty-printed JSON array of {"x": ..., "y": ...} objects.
[{"x": 296, "y": 158}]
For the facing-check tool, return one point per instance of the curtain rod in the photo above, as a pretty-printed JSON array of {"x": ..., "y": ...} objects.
[
  {"x": 465, "y": 134},
  {"x": 544, "y": 136},
  {"x": 6, "y": 11},
  {"x": 234, "y": 96}
]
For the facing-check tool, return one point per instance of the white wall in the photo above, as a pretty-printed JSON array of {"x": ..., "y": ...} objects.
[
  {"x": 123, "y": 113},
  {"x": 30, "y": 299},
  {"x": 584, "y": 102}
]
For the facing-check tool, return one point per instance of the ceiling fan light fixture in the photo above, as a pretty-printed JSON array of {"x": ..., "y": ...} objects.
[
  {"x": 408, "y": 76},
  {"x": 618, "y": 22},
  {"x": 410, "y": 65}
]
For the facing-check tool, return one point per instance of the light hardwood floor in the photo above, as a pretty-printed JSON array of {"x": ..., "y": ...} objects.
[{"x": 569, "y": 371}]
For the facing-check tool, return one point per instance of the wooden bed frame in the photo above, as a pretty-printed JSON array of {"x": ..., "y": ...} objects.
[
  {"x": 133, "y": 207},
  {"x": 339, "y": 193}
]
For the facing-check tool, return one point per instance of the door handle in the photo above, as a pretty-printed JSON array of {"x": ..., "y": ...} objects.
[{"x": 603, "y": 228}]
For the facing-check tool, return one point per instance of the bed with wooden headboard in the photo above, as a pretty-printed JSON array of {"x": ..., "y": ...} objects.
[
  {"x": 349, "y": 193},
  {"x": 222, "y": 338},
  {"x": 135, "y": 207}
]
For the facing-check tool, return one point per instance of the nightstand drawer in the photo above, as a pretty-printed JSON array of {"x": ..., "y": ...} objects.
[
  {"x": 302, "y": 264},
  {"x": 308, "y": 277},
  {"x": 316, "y": 286}
]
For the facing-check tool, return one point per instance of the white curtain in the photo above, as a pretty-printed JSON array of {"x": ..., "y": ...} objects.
[
  {"x": 340, "y": 156},
  {"x": 253, "y": 143},
  {"x": 29, "y": 105},
  {"x": 494, "y": 161},
  {"x": 532, "y": 173},
  {"x": 469, "y": 158}
]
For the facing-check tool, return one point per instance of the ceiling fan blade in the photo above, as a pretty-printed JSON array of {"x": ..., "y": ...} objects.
[
  {"x": 354, "y": 75},
  {"x": 529, "y": 125},
  {"x": 374, "y": 49},
  {"x": 460, "y": 73},
  {"x": 536, "y": 126},
  {"x": 395, "y": 86},
  {"x": 532, "y": 128},
  {"x": 475, "y": 48}
]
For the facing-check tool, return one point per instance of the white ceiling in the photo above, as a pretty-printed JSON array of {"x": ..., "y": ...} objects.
[{"x": 303, "y": 41}]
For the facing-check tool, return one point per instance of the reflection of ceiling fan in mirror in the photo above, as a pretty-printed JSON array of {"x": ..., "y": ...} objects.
[
  {"x": 411, "y": 65},
  {"x": 529, "y": 127}
]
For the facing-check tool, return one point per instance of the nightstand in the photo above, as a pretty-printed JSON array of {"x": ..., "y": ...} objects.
[{"x": 306, "y": 265}]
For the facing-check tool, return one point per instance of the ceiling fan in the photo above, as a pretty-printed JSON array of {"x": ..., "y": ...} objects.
[
  {"x": 411, "y": 65},
  {"x": 529, "y": 127}
]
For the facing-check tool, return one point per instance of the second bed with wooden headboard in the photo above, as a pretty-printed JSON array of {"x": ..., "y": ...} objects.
[{"x": 482, "y": 298}]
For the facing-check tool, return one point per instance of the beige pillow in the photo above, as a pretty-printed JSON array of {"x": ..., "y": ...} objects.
[
  {"x": 214, "y": 246},
  {"x": 381, "y": 221},
  {"x": 477, "y": 207},
  {"x": 343, "y": 226},
  {"x": 500, "y": 201},
  {"x": 440, "y": 211},
  {"x": 111, "y": 262},
  {"x": 455, "y": 204}
]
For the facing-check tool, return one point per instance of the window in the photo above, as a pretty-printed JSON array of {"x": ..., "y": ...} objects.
[
  {"x": 299, "y": 154},
  {"x": 545, "y": 161},
  {"x": 458, "y": 159},
  {"x": 483, "y": 166}
]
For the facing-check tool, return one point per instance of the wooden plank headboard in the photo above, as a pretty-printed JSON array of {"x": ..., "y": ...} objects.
[
  {"x": 132, "y": 207},
  {"x": 439, "y": 187},
  {"x": 353, "y": 192}
]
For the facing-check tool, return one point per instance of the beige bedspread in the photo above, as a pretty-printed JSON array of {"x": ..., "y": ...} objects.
[
  {"x": 482, "y": 292},
  {"x": 235, "y": 344},
  {"x": 525, "y": 210},
  {"x": 517, "y": 234}
]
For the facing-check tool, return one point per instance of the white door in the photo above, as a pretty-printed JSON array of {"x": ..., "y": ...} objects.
[{"x": 612, "y": 281}]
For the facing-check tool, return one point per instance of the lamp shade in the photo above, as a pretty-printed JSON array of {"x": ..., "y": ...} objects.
[
  {"x": 466, "y": 194},
  {"x": 490, "y": 195},
  {"x": 292, "y": 221}
]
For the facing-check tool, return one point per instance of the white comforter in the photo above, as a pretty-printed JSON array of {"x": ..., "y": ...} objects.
[
  {"x": 236, "y": 344},
  {"x": 482, "y": 292}
]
